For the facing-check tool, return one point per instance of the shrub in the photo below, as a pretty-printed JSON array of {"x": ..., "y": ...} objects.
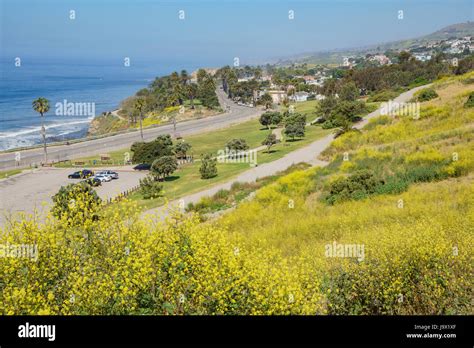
[
  {"x": 75, "y": 202},
  {"x": 328, "y": 125},
  {"x": 208, "y": 167},
  {"x": 426, "y": 94},
  {"x": 150, "y": 188},
  {"x": 382, "y": 96},
  {"x": 424, "y": 173},
  {"x": 470, "y": 101},
  {"x": 237, "y": 145},
  {"x": 357, "y": 186}
]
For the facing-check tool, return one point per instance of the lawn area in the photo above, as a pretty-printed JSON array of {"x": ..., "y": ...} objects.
[
  {"x": 116, "y": 159},
  {"x": 7, "y": 173},
  {"x": 307, "y": 108},
  {"x": 187, "y": 179},
  {"x": 252, "y": 131}
]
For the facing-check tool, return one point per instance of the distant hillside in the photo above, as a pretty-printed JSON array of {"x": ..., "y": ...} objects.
[
  {"x": 455, "y": 30},
  {"x": 336, "y": 56}
]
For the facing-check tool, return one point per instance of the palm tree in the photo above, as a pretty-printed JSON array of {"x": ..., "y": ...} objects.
[
  {"x": 191, "y": 90},
  {"x": 41, "y": 105},
  {"x": 139, "y": 105}
]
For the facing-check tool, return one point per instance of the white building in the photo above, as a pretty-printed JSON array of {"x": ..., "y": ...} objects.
[
  {"x": 300, "y": 96},
  {"x": 423, "y": 57},
  {"x": 278, "y": 96}
]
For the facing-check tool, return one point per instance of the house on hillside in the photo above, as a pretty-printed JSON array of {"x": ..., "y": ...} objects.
[
  {"x": 300, "y": 96},
  {"x": 382, "y": 59}
]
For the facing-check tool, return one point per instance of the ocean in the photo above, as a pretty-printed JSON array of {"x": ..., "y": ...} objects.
[{"x": 73, "y": 89}]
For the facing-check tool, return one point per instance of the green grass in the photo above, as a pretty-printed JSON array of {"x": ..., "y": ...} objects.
[
  {"x": 7, "y": 173},
  {"x": 116, "y": 159},
  {"x": 252, "y": 131},
  {"x": 187, "y": 180},
  {"x": 307, "y": 108}
]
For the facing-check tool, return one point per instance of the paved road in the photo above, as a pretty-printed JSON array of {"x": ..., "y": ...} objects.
[
  {"x": 32, "y": 190},
  {"x": 235, "y": 114},
  {"x": 307, "y": 154}
]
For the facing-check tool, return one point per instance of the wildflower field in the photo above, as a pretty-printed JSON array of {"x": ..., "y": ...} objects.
[{"x": 402, "y": 188}]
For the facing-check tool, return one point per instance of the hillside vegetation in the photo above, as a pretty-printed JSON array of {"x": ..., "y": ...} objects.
[{"x": 401, "y": 189}]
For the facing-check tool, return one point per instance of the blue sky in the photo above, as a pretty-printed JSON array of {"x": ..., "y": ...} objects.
[{"x": 214, "y": 31}]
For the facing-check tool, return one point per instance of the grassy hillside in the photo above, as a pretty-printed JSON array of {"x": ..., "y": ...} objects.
[
  {"x": 416, "y": 225},
  {"x": 404, "y": 198}
]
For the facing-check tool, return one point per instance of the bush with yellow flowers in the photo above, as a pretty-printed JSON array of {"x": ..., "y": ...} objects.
[{"x": 120, "y": 264}]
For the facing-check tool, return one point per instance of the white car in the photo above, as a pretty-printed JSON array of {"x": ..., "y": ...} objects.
[
  {"x": 103, "y": 177},
  {"x": 112, "y": 174}
]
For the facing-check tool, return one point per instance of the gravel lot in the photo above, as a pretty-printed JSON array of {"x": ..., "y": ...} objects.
[{"x": 33, "y": 189}]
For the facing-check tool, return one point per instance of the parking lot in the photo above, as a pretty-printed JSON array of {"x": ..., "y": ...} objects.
[{"x": 33, "y": 189}]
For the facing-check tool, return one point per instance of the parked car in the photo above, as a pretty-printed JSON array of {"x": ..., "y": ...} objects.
[
  {"x": 103, "y": 177},
  {"x": 93, "y": 181},
  {"x": 112, "y": 174},
  {"x": 82, "y": 174},
  {"x": 142, "y": 166}
]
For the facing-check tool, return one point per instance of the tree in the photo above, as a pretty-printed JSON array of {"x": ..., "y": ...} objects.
[
  {"x": 266, "y": 119},
  {"x": 165, "y": 139},
  {"x": 208, "y": 167},
  {"x": 276, "y": 118},
  {"x": 162, "y": 167},
  {"x": 269, "y": 141},
  {"x": 348, "y": 110},
  {"x": 349, "y": 92},
  {"x": 139, "y": 106},
  {"x": 147, "y": 152},
  {"x": 237, "y": 145},
  {"x": 182, "y": 148},
  {"x": 295, "y": 125},
  {"x": 207, "y": 90},
  {"x": 326, "y": 106},
  {"x": 270, "y": 118},
  {"x": 293, "y": 130},
  {"x": 404, "y": 57},
  {"x": 266, "y": 100},
  {"x": 41, "y": 105},
  {"x": 191, "y": 91}
]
